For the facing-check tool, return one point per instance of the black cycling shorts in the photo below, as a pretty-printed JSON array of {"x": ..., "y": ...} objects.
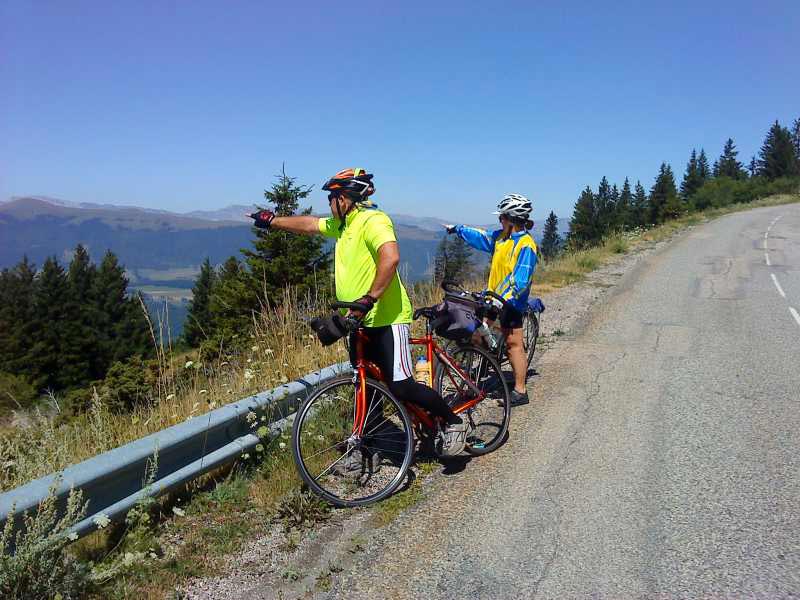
[
  {"x": 510, "y": 317},
  {"x": 389, "y": 348}
]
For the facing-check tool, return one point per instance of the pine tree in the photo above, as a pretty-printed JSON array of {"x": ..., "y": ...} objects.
[
  {"x": 753, "y": 167},
  {"x": 795, "y": 132},
  {"x": 777, "y": 156},
  {"x": 17, "y": 316},
  {"x": 230, "y": 286},
  {"x": 551, "y": 240},
  {"x": 461, "y": 260},
  {"x": 583, "y": 229},
  {"x": 279, "y": 258},
  {"x": 728, "y": 165},
  {"x": 79, "y": 335},
  {"x": 692, "y": 181},
  {"x": 198, "y": 320},
  {"x": 624, "y": 216},
  {"x": 703, "y": 172},
  {"x": 453, "y": 260},
  {"x": 664, "y": 201},
  {"x": 122, "y": 329},
  {"x": 605, "y": 205},
  {"x": 640, "y": 208},
  {"x": 44, "y": 360}
]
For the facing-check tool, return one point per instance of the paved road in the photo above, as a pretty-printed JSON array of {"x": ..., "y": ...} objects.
[{"x": 659, "y": 457}]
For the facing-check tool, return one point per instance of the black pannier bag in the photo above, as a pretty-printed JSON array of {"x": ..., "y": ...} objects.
[{"x": 457, "y": 317}]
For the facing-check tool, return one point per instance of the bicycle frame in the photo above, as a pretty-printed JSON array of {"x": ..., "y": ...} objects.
[{"x": 365, "y": 368}]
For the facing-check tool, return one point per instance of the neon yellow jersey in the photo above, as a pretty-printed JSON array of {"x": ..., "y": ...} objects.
[{"x": 355, "y": 264}]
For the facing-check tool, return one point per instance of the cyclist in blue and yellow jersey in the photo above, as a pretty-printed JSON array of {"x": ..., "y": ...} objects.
[
  {"x": 514, "y": 259},
  {"x": 365, "y": 272}
]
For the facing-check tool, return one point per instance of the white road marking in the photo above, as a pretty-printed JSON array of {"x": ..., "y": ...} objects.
[
  {"x": 777, "y": 285},
  {"x": 766, "y": 257},
  {"x": 795, "y": 314}
]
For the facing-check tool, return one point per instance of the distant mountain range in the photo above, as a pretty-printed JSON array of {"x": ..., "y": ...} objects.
[{"x": 161, "y": 248}]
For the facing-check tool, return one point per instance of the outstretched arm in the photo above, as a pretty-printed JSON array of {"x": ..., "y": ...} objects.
[
  {"x": 477, "y": 238},
  {"x": 305, "y": 224}
]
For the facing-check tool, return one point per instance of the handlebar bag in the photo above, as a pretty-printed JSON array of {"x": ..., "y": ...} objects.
[
  {"x": 457, "y": 317},
  {"x": 329, "y": 328}
]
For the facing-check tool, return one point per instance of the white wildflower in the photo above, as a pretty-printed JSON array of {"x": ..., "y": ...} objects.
[
  {"x": 153, "y": 555},
  {"x": 170, "y": 396},
  {"x": 248, "y": 375},
  {"x": 245, "y": 456},
  {"x": 282, "y": 446},
  {"x": 72, "y": 536},
  {"x": 189, "y": 364},
  {"x": 251, "y": 417},
  {"x": 179, "y": 511},
  {"x": 101, "y": 520},
  {"x": 249, "y": 360}
]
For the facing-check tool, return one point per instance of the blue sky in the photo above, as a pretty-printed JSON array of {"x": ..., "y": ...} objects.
[{"x": 186, "y": 106}]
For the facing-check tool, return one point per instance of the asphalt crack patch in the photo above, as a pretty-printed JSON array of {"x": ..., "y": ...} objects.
[{"x": 554, "y": 479}]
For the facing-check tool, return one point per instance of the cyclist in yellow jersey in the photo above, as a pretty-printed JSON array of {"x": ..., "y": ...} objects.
[
  {"x": 514, "y": 257},
  {"x": 365, "y": 271}
]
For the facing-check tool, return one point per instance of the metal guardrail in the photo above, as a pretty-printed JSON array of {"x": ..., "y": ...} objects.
[{"x": 113, "y": 482}]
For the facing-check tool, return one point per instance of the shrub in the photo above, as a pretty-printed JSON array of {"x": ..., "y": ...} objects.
[
  {"x": 15, "y": 394},
  {"x": 129, "y": 384},
  {"x": 33, "y": 563}
]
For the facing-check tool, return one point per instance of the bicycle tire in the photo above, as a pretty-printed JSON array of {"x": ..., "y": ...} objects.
[
  {"x": 529, "y": 340},
  {"x": 499, "y": 396},
  {"x": 304, "y": 430}
]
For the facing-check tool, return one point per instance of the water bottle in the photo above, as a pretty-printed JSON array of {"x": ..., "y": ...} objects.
[
  {"x": 486, "y": 333},
  {"x": 422, "y": 371}
]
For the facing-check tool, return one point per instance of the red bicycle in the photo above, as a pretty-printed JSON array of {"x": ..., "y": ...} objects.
[{"x": 353, "y": 441}]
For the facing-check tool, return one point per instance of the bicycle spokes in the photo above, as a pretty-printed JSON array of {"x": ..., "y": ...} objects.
[
  {"x": 350, "y": 456},
  {"x": 488, "y": 413}
]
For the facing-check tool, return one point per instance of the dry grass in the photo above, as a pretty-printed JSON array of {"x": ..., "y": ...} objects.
[{"x": 281, "y": 348}]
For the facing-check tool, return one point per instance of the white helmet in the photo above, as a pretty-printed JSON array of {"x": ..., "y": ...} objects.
[{"x": 514, "y": 205}]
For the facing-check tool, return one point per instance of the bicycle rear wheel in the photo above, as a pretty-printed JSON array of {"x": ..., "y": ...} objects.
[
  {"x": 530, "y": 335},
  {"x": 343, "y": 468},
  {"x": 489, "y": 419}
]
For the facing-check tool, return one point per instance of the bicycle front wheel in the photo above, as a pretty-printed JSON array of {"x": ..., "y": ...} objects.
[
  {"x": 478, "y": 372},
  {"x": 340, "y": 466}
]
